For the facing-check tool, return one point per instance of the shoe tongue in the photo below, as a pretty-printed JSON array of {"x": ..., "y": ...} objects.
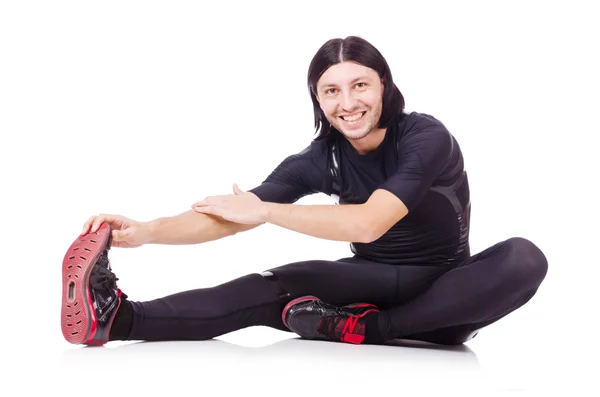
[{"x": 103, "y": 277}]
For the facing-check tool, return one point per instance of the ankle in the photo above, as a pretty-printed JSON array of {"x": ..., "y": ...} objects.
[
  {"x": 373, "y": 334},
  {"x": 121, "y": 326}
]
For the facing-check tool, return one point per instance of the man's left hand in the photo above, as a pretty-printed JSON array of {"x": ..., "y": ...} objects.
[{"x": 240, "y": 207}]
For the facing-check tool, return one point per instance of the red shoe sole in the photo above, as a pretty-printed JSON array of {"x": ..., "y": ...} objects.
[{"x": 78, "y": 317}]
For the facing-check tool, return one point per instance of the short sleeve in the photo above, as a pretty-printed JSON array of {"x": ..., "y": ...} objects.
[
  {"x": 423, "y": 152},
  {"x": 298, "y": 175}
]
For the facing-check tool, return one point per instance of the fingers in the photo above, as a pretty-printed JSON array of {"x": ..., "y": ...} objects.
[
  {"x": 93, "y": 223},
  {"x": 120, "y": 238},
  {"x": 213, "y": 200},
  {"x": 87, "y": 224},
  {"x": 119, "y": 235},
  {"x": 120, "y": 244},
  {"x": 236, "y": 189},
  {"x": 209, "y": 210},
  {"x": 99, "y": 220}
]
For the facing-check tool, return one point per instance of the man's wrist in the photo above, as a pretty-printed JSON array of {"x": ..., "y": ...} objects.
[
  {"x": 153, "y": 227},
  {"x": 267, "y": 212}
]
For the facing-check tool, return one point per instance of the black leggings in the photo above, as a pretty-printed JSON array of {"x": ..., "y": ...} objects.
[{"x": 428, "y": 303}]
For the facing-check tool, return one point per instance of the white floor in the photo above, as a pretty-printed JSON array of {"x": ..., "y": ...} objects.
[
  {"x": 550, "y": 344},
  {"x": 499, "y": 361}
]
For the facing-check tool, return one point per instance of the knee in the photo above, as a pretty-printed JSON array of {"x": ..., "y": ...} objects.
[{"x": 527, "y": 261}]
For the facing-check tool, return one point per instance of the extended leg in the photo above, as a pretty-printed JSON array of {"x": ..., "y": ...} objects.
[
  {"x": 205, "y": 313},
  {"x": 252, "y": 300}
]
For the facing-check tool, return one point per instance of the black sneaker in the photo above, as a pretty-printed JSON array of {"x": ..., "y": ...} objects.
[
  {"x": 312, "y": 318},
  {"x": 91, "y": 297}
]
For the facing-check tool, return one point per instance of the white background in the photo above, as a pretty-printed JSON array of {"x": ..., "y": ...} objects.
[{"x": 143, "y": 107}]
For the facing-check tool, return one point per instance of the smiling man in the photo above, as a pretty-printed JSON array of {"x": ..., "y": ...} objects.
[{"x": 401, "y": 200}]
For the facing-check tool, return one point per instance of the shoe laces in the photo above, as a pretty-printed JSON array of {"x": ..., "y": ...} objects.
[
  {"x": 103, "y": 278},
  {"x": 102, "y": 275}
]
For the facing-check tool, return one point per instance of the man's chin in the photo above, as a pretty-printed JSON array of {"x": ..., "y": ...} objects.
[{"x": 355, "y": 134}]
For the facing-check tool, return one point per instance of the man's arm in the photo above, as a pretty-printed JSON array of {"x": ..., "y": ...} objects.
[
  {"x": 362, "y": 223},
  {"x": 192, "y": 227}
]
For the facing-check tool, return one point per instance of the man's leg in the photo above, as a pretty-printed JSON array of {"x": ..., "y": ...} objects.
[
  {"x": 199, "y": 314},
  {"x": 344, "y": 303},
  {"x": 252, "y": 300},
  {"x": 446, "y": 308},
  {"x": 487, "y": 287},
  {"x": 94, "y": 310}
]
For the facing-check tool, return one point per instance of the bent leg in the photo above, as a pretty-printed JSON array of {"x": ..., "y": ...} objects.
[
  {"x": 347, "y": 281},
  {"x": 487, "y": 287}
]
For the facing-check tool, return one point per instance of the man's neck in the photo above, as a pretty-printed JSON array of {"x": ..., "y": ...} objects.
[{"x": 369, "y": 142}]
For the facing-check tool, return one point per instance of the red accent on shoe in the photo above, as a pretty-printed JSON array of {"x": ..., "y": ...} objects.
[
  {"x": 78, "y": 317},
  {"x": 352, "y": 331},
  {"x": 353, "y": 338},
  {"x": 348, "y": 331}
]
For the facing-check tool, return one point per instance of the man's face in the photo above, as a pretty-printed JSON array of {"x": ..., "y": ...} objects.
[{"x": 350, "y": 95}]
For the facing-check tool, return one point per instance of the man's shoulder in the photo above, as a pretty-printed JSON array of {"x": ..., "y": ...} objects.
[
  {"x": 418, "y": 120},
  {"x": 314, "y": 149},
  {"x": 314, "y": 153},
  {"x": 423, "y": 132}
]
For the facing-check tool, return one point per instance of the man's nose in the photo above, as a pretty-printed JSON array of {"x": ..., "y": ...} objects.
[{"x": 348, "y": 101}]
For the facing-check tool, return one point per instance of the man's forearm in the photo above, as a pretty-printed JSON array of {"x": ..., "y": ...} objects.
[
  {"x": 192, "y": 227},
  {"x": 332, "y": 222}
]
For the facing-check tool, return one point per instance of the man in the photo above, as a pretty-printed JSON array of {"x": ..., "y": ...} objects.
[{"x": 404, "y": 206}]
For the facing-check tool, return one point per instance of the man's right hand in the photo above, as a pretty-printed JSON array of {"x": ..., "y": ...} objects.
[{"x": 126, "y": 233}]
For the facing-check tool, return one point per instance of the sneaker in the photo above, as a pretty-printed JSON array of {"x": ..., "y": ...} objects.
[
  {"x": 312, "y": 318},
  {"x": 90, "y": 297}
]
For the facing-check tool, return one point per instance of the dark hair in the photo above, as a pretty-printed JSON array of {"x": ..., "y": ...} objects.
[{"x": 356, "y": 49}]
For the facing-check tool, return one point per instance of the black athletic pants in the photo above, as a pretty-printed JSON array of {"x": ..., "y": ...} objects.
[{"x": 433, "y": 304}]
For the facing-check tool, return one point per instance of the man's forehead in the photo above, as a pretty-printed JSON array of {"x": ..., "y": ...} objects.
[
  {"x": 342, "y": 79},
  {"x": 346, "y": 73}
]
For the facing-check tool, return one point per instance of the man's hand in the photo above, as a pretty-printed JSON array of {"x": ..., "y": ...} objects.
[
  {"x": 126, "y": 232},
  {"x": 240, "y": 207}
]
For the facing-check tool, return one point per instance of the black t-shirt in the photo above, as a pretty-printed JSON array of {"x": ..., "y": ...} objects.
[{"x": 419, "y": 161}]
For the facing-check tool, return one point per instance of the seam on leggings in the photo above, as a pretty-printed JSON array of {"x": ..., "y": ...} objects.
[{"x": 397, "y": 285}]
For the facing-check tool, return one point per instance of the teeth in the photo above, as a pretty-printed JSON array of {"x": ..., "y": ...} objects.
[{"x": 353, "y": 118}]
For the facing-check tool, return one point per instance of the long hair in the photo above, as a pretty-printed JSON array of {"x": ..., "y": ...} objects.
[{"x": 356, "y": 49}]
